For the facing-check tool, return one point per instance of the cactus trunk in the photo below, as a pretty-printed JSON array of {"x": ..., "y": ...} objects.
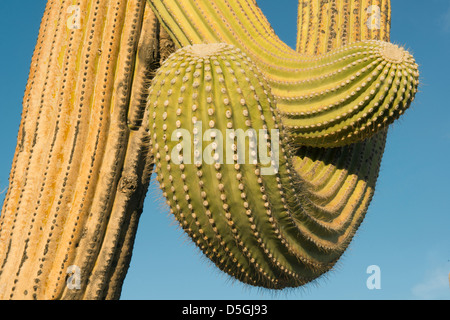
[{"x": 79, "y": 174}]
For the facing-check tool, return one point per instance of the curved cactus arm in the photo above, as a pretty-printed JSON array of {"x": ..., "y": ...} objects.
[
  {"x": 327, "y": 100},
  {"x": 307, "y": 223},
  {"x": 79, "y": 174},
  {"x": 260, "y": 228},
  {"x": 234, "y": 212},
  {"x": 330, "y": 176}
]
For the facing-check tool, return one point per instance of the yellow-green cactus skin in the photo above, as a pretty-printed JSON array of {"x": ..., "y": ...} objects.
[
  {"x": 267, "y": 156},
  {"x": 247, "y": 217},
  {"x": 331, "y": 106}
]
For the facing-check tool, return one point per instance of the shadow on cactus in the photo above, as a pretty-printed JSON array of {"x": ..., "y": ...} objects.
[{"x": 215, "y": 111}]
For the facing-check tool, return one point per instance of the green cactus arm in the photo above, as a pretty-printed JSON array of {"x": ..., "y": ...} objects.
[
  {"x": 329, "y": 175},
  {"x": 236, "y": 215},
  {"x": 324, "y": 26},
  {"x": 327, "y": 100},
  {"x": 79, "y": 174},
  {"x": 266, "y": 230},
  {"x": 324, "y": 195}
]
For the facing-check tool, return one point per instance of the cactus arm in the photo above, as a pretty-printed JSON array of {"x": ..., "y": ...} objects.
[
  {"x": 323, "y": 194},
  {"x": 79, "y": 174},
  {"x": 237, "y": 216},
  {"x": 327, "y": 173},
  {"x": 265, "y": 230},
  {"x": 327, "y": 100}
]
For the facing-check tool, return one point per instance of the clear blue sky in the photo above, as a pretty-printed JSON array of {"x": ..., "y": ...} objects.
[{"x": 406, "y": 231}]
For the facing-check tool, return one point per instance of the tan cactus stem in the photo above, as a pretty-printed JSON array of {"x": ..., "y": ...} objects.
[
  {"x": 253, "y": 224},
  {"x": 81, "y": 168}
]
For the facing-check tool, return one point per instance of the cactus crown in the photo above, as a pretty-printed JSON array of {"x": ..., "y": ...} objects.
[
  {"x": 393, "y": 53},
  {"x": 206, "y": 50}
]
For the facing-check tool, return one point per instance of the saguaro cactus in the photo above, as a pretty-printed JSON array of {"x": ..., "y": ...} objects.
[
  {"x": 328, "y": 100},
  {"x": 81, "y": 167},
  {"x": 92, "y": 124},
  {"x": 340, "y": 98}
]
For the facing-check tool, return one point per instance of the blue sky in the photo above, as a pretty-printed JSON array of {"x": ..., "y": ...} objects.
[{"x": 406, "y": 231}]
